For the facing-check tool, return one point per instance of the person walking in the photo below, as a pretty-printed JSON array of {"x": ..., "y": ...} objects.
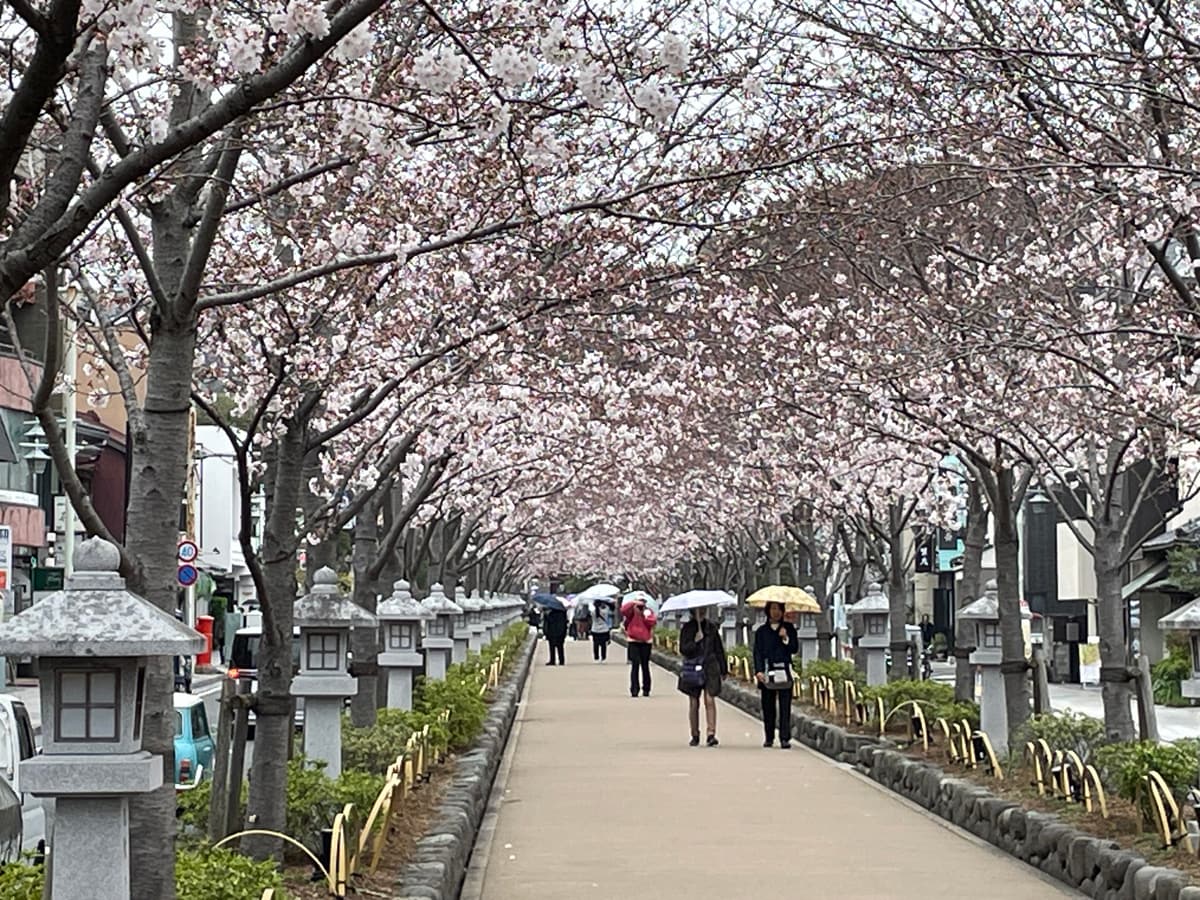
[
  {"x": 554, "y": 627},
  {"x": 602, "y": 622},
  {"x": 583, "y": 621},
  {"x": 705, "y": 667},
  {"x": 775, "y": 644},
  {"x": 639, "y": 629}
]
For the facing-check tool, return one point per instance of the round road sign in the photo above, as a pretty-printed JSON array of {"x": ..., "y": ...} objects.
[
  {"x": 188, "y": 575},
  {"x": 188, "y": 551}
]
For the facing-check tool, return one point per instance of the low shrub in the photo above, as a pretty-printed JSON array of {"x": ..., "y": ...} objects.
[
  {"x": 1167, "y": 673},
  {"x": 1124, "y": 766},
  {"x": 1065, "y": 731},
  {"x": 22, "y": 881},
  {"x": 202, "y": 873},
  {"x": 459, "y": 693},
  {"x": 208, "y": 874},
  {"x": 192, "y": 806},
  {"x": 314, "y": 799},
  {"x": 836, "y": 670},
  {"x": 936, "y": 699},
  {"x": 375, "y": 748}
]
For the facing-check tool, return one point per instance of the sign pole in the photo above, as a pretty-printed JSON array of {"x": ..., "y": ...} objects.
[{"x": 6, "y": 592}]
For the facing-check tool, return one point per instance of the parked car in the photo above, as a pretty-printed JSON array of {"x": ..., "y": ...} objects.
[
  {"x": 243, "y": 664},
  {"x": 193, "y": 741},
  {"x": 28, "y": 827}
]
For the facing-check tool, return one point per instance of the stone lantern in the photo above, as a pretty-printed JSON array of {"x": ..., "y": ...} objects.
[
  {"x": 729, "y": 626},
  {"x": 400, "y": 617},
  {"x": 491, "y": 615},
  {"x": 325, "y": 618},
  {"x": 807, "y": 631},
  {"x": 458, "y": 627},
  {"x": 1187, "y": 620},
  {"x": 93, "y": 640},
  {"x": 873, "y": 609},
  {"x": 984, "y": 614},
  {"x": 476, "y": 628},
  {"x": 438, "y": 642}
]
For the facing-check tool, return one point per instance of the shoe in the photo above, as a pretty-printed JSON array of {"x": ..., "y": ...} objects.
[
  {"x": 769, "y": 743},
  {"x": 785, "y": 745},
  {"x": 634, "y": 695},
  {"x": 712, "y": 741},
  {"x": 645, "y": 693},
  {"x": 695, "y": 741},
  {"x": 550, "y": 663}
]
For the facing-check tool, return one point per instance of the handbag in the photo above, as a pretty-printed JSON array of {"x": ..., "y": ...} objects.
[
  {"x": 778, "y": 676},
  {"x": 691, "y": 673}
]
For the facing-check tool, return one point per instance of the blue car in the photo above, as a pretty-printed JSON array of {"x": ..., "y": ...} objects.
[{"x": 193, "y": 741}]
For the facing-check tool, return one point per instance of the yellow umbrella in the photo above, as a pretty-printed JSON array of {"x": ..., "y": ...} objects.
[{"x": 794, "y": 599}]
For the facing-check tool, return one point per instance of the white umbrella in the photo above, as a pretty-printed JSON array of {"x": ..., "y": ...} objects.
[
  {"x": 695, "y": 599},
  {"x": 598, "y": 592}
]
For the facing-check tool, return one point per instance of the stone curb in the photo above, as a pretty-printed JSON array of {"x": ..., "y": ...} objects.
[
  {"x": 1096, "y": 867},
  {"x": 441, "y": 858}
]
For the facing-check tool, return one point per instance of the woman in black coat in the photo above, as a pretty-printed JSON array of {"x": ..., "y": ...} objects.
[
  {"x": 775, "y": 644},
  {"x": 701, "y": 639}
]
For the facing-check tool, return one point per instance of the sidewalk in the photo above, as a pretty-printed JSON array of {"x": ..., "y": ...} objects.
[{"x": 605, "y": 801}]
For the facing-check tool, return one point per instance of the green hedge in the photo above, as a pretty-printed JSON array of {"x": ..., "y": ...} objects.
[
  {"x": 936, "y": 699},
  {"x": 200, "y": 874},
  {"x": 1065, "y": 731},
  {"x": 836, "y": 670},
  {"x": 1124, "y": 766}
]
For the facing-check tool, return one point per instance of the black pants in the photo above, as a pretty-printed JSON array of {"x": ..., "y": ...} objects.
[
  {"x": 556, "y": 649},
  {"x": 777, "y": 705},
  {"x": 639, "y": 663},
  {"x": 600, "y": 645}
]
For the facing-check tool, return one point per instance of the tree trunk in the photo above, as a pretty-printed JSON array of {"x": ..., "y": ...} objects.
[
  {"x": 364, "y": 642},
  {"x": 897, "y": 596},
  {"x": 1012, "y": 638},
  {"x": 267, "y": 805},
  {"x": 969, "y": 591},
  {"x": 1110, "y": 622},
  {"x": 159, "y": 470}
]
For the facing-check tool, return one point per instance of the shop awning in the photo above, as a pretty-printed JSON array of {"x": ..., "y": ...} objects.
[{"x": 1147, "y": 578}]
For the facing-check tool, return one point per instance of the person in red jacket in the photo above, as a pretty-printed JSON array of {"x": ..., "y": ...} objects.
[{"x": 639, "y": 629}]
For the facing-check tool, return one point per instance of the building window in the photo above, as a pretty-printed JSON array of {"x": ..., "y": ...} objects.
[
  {"x": 323, "y": 652},
  {"x": 1195, "y": 653},
  {"x": 876, "y": 625},
  {"x": 991, "y": 636},
  {"x": 87, "y": 705}
]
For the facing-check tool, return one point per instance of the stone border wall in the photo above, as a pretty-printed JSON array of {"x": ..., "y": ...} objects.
[
  {"x": 1096, "y": 867},
  {"x": 440, "y": 862}
]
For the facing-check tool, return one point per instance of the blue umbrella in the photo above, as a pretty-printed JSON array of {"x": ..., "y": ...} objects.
[{"x": 549, "y": 601}]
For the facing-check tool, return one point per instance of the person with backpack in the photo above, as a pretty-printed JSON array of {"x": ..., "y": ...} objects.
[
  {"x": 704, "y": 668},
  {"x": 638, "y": 622},
  {"x": 775, "y": 643}
]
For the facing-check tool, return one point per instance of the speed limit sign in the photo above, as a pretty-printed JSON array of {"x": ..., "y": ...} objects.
[{"x": 188, "y": 551}]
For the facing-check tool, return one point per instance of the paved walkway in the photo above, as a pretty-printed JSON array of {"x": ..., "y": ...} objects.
[{"x": 604, "y": 800}]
